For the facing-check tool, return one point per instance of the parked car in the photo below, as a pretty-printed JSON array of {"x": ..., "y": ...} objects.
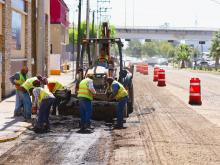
[{"x": 157, "y": 61}]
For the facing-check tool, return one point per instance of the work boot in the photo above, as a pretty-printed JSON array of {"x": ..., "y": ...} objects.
[
  {"x": 16, "y": 114},
  {"x": 119, "y": 126},
  {"x": 38, "y": 129},
  {"x": 89, "y": 126},
  {"x": 46, "y": 127}
]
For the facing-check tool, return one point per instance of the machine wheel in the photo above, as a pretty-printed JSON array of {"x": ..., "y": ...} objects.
[{"x": 130, "y": 103}]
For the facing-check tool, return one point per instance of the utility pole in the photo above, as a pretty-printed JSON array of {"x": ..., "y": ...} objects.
[
  {"x": 133, "y": 12},
  {"x": 93, "y": 24},
  {"x": 34, "y": 36},
  {"x": 101, "y": 8},
  {"x": 73, "y": 45},
  {"x": 125, "y": 13},
  {"x": 93, "y": 36},
  {"x": 79, "y": 37},
  {"x": 87, "y": 18},
  {"x": 40, "y": 59}
]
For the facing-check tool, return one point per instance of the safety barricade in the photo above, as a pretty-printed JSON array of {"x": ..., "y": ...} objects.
[
  {"x": 195, "y": 92},
  {"x": 156, "y": 69},
  {"x": 161, "y": 78}
]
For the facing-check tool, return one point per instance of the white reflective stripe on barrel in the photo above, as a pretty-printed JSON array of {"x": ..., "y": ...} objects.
[
  {"x": 161, "y": 79},
  {"x": 161, "y": 72},
  {"x": 194, "y": 83},
  {"x": 195, "y": 94}
]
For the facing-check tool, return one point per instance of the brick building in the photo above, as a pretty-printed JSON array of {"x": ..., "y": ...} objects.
[
  {"x": 59, "y": 29},
  {"x": 16, "y": 39}
]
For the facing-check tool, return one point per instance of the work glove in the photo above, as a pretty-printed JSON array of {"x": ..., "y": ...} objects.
[{"x": 34, "y": 110}]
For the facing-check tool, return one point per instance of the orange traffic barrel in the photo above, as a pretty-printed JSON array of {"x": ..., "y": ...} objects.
[
  {"x": 161, "y": 78},
  {"x": 141, "y": 68},
  {"x": 145, "y": 69},
  {"x": 195, "y": 92},
  {"x": 156, "y": 69},
  {"x": 138, "y": 67}
]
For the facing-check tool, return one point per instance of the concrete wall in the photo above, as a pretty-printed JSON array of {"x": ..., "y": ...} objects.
[{"x": 56, "y": 37}]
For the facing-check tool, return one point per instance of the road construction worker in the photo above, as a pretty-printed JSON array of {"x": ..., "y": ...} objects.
[
  {"x": 85, "y": 95},
  {"x": 57, "y": 89},
  {"x": 26, "y": 88},
  {"x": 18, "y": 79},
  {"x": 43, "y": 100},
  {"x": 118, "y": 93},
  {"x": 103, "y": 59}
]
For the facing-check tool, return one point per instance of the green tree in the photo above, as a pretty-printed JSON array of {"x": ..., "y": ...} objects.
[
  {"x": 83, "y": 32},
  {"x": 215, "y": 48},
  {"x": 150, "y": 49},
  {"x": 183, "y": 53},
  {"x": 134, "y": 48}
]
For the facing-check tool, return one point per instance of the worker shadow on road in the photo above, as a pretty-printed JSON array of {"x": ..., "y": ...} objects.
[{"x": 11, "y": 123}]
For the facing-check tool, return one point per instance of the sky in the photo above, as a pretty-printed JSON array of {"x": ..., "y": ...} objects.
[{"x": 177, "y": 13}]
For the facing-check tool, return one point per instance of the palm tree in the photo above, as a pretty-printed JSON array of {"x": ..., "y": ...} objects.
[
  {"x": 183, "y": 54},
  {"x": 215, "y": 48}
]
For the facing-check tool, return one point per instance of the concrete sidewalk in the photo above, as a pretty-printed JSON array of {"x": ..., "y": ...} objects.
[{"x": 12, "y": 127}]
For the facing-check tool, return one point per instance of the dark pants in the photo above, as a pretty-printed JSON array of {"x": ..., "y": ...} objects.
[
  {"x": 120, "y": 110},
  {"x": 56, "y": 103},
  {"x": 44, "y": 111},
  {"x": 85, "y": 106}
]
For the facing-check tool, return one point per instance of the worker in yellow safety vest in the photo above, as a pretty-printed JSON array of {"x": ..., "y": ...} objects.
[
  {"x": 58, "y": 89},
  {"x": 118, "y": 93},
  {"x": 85, "y": 95},
  {"x": 18, "y": 79},
  {"x": 43, "y": 100},
  {"x": 103, "y": 59},
  {"x": 26, "y": 89}
]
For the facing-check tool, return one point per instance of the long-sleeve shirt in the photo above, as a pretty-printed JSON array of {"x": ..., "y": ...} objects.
[
  {"x": 91, "y": 87},
  {"x": 12, "y": 79}
]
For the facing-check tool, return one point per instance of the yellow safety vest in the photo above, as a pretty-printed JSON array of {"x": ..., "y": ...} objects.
[
  {"x": 28, "y": 84},
  {"x": 58, "y": 85},
  {"x": 84, "y": 89},
  {"x": 43, "y": 93},
  {"x": 21, "y": 80},
  {"x": 121, "y": 92}
]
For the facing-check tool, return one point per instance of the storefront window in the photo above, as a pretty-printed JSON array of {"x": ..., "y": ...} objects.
[
  {"x": 18, "y": 4},
  {"x": 16, "y": 30}
]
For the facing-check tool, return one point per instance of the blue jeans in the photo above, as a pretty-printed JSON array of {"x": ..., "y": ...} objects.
[
  {"x": 44, "y": 111},
  {"x": 27, "y": 105},
  {"x": 18, "y": 101},
  {"x": 120, "y": 109},
  {"x": 85, "y": 106}
]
